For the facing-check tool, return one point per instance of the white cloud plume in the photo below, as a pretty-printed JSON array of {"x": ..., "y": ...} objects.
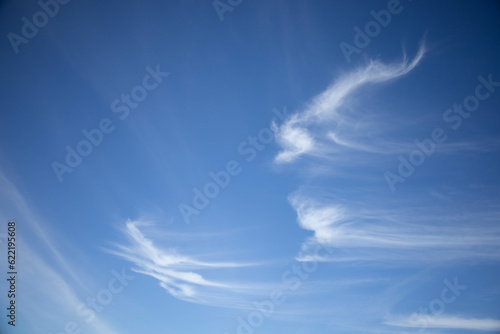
[
  {"x": 295, "y": 134},
  {"x": 174, "y": 271},
  {"x": 368, "y": 234}
]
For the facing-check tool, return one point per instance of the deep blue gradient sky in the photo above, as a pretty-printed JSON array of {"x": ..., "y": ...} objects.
[{"x": 325, "y": 215}]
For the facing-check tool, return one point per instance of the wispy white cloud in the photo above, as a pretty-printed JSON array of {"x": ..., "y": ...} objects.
[
  {"x": 322, "y": 124},
  {"x": 174, "y": 271},
  {"x": 10, "y": 192},
  {"x": 368, "y": 234},
  {"x": 445, "y": 322},
  {"x": 332, "y": 126}
]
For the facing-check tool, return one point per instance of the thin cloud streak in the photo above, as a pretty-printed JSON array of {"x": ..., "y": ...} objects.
[
  {"x": 336, "y": 140},
  {"x": 446, "y": 322},
  {"x": 13, "y": 195},
  {"x": 46, "y": 281}
]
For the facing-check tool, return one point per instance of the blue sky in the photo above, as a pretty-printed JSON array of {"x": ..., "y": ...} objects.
[{"x": 251, "y": 167}]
